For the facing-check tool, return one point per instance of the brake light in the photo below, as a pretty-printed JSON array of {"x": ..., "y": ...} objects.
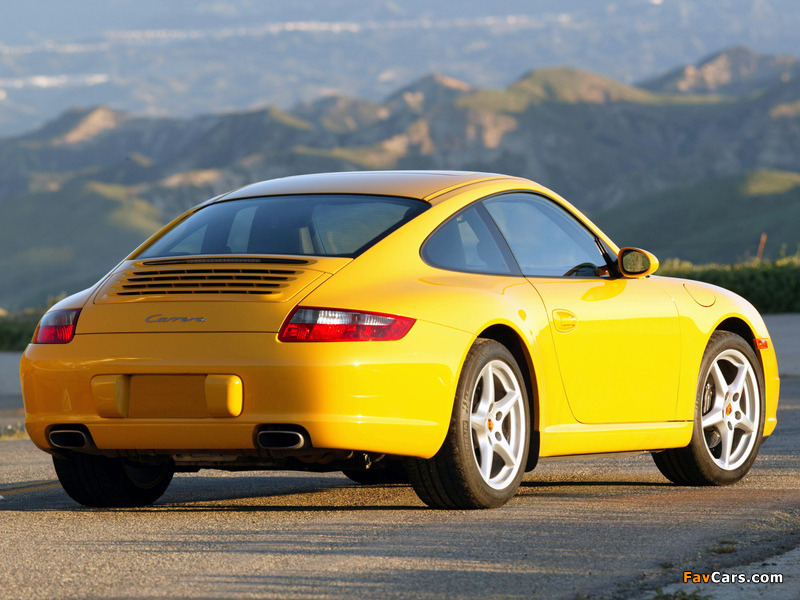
[
  {"x": 57, "y": 327},
  {"x": 332, "y": 325}
]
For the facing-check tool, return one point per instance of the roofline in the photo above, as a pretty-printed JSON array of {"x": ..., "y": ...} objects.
[{"x": 425, "y": 185}]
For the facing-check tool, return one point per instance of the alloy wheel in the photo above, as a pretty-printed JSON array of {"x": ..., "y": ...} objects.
[
  {"x": 730, "y": 409},
  {"x": 497, "y": 421}
]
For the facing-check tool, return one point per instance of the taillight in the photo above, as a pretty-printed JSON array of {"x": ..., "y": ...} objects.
[
  {"x": 332, "y": 325},
  {"x": 57, "y": 327}
]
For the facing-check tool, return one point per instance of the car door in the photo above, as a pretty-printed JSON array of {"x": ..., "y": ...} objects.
[{"x": 617, "y": 340}]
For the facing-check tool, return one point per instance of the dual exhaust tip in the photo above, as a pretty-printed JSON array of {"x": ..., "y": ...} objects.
[
  {"x": 71, "y": 439},
  {"x": 268, "y": 439},
  {"x": 282, "y": 439}
]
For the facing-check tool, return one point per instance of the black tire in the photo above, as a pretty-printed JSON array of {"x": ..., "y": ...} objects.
[
  {"x": 379, "y": 474},
  {"x": 470, "y": 471},
  {"x": 99, "y": 481},
  {"x": 724, "y": 410}
]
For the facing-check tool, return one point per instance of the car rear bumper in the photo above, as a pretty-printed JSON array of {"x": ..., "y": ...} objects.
[{"x": 384, "y": 397}]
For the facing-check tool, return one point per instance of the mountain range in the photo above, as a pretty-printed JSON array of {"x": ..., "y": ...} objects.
[
  {"x": 694, "y": 164},
  {"x": 183, "y": 58}
]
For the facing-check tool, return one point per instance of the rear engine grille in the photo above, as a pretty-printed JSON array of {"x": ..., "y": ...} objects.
[{"x": 227, "y": 280}]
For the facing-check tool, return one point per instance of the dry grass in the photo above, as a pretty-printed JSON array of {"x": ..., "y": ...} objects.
[{"x": 14, "y": 432}]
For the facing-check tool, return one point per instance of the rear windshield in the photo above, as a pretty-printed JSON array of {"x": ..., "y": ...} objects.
[{"x": 313, "y": 225}]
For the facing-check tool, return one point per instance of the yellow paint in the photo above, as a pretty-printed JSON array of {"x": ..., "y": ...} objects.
[
  {"x": 564, "y": 321},
  {"x": 700, "y": 293},
  {"x": 224, "y": 395},
  {"x": 111, "y": 395},
  {"x": 167, "y": 396},
  {"x": 614, "y": 362},
  {"x": 32, "y": 487},
  {"x": 616, "y": 352}
]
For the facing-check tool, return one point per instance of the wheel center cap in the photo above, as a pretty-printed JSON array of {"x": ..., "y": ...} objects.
[
  {"x": 489, "y": 424},
  {"x": 728, "y": 410}
]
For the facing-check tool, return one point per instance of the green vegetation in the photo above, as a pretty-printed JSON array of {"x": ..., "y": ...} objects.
[
  {"x": 770, "y": 183},
  {"x": 290, "y": 120},
  {"x": 370, "y": 157},
  {"x": 13, "y": 432},
  {"x": 724, "y": 547},
  {"x": 17, "y": 330},
  {"x": 572, "y": 86},
  {"x": 771, "y": 286},
  {"x": 65, "y": 240},
  {"x": 715, "y": 221}
]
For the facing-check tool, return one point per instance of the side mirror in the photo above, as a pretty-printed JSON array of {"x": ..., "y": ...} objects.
[{"x": 634, "y": 263}]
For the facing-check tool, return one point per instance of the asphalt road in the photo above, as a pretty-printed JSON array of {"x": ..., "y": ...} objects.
[{"x": 602, "y": 528}]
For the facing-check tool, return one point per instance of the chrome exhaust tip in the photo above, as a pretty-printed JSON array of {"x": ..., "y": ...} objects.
[
  {"x": 71, "y": 439},
  {"x": 281, "y": 440}
]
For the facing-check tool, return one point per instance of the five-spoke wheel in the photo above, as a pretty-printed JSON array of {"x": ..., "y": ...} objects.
[
  {"x": 729, "y": 417},
  {"x": 730, "y": 410},
  {"x": 498, "y": 424},
  {"x": 483, "y": 458}
]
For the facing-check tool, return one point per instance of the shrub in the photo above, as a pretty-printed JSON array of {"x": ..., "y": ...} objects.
[{"x": 17, "y": 330}]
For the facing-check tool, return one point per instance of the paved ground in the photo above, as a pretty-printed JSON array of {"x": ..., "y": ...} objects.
[
  {"x": 605, "y": 528},
  {"x": 11, "y": 411},
  {"x": 785, "y": 333}
]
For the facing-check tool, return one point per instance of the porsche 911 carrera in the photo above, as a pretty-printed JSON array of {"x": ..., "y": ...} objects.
[{"x": 445, "y": 329}]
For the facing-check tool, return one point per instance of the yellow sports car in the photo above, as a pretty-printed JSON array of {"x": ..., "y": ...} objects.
[{"x": 443, "y": 328}]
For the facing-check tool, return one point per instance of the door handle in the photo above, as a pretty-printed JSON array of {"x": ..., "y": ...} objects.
[{"x": 564, "y": 321}]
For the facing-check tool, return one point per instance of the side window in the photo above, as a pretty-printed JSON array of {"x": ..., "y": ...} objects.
[
  {"x": 192, "y": 243},
  {"x": 546, "y": 240},
  {"x": 469, "y": 242},
  {"x": 239, "y": 235}
]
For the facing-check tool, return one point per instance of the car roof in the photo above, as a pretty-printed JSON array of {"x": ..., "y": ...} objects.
[{"x": 423, "y": 185}]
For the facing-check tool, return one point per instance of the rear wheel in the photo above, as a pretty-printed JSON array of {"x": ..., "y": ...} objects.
[
  {"x": 99, "y": 481},
  {"x": 482, "y": 460},
  {"x": 728, "y": 421}
]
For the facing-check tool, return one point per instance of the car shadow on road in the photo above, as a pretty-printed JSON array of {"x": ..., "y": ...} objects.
[
  {"x": 230, "y": 494},
  {"x": 535, "y": 484},
  {"x": 237, "y": 494},
  {"x": 597, "y": 489}
]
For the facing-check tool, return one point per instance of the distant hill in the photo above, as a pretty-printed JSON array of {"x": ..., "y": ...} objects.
[
  {"x": 714, "y": 221},
  {"x": 737, "y": 70},
  {"x": 62, "y": 242},
  {"x": 183, "y": 58},
  {"x": 665, "y": 168}
]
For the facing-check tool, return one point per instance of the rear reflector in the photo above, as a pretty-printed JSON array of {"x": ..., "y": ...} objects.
[
  {"x": 762, "y": 344},
  {"x": 57, "y": 327},
  {"x": 332, "y": 325}
]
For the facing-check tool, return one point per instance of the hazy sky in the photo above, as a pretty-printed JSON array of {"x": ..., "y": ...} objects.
[
  {"x": 35, "y": 20},
  {"x": 185, "y": 57}
]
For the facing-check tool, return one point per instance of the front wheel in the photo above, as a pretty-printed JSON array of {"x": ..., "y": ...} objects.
[
  {"x": 482, "y": 460},
  {"x": 99, "y": 481},
  {"x": 728, "y": 420}
]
